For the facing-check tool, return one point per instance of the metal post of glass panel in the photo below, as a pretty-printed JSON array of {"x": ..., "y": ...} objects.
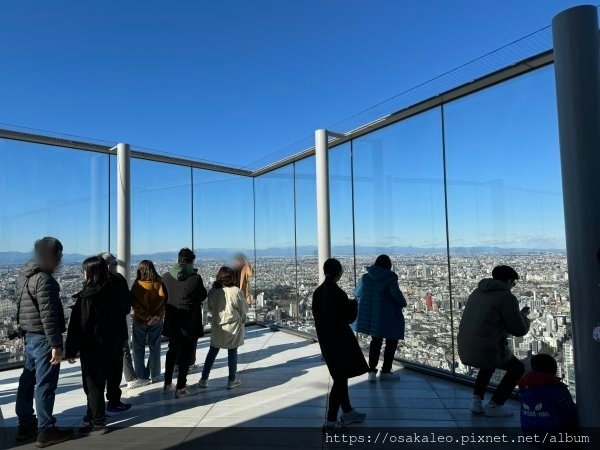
[
  {"x": 124, "y": 210},
  {"x": 322, "y": 178}
]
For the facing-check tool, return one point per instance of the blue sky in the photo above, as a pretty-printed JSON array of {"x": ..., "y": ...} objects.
[{"x": 234, "y": 81}]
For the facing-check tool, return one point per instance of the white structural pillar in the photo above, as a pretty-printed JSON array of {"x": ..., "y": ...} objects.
[
  {"x": 123, "y": 211},
  {"x": 323, "y": 224},
  {"x": 577, "y": 68}
]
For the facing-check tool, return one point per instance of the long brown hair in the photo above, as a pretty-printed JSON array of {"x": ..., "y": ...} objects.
[
  {"x": 225, "y": 278},
  {"x": 146, "y": 271}
]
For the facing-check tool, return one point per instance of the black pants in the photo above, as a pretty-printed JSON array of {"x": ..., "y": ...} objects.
[
  {"x": 193, "y": 357},
  {"x": 179, "y": 352},
  {"x": 128, "y": 369},
  {"x": 388, "y": 355},
  {"x": 514, "y": 371},
  {"x": 338, "y": 397},
  {"x": 95, "y": 369}
]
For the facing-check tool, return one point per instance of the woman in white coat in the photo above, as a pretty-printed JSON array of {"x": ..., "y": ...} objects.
[{"x": 228, "y": 307}]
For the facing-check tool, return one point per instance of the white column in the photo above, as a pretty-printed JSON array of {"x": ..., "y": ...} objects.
[
  {"x": 577, "y": 68},
  {"x": 323, "y": 224},
  {"x": 123, "y": 211}
]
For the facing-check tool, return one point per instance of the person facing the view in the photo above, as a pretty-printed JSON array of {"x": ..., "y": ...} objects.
[
  {"x": 148, "y": 313},
  {"x": 243, "y": 271},
  {"x": 41, "y": 319},
  {"x": 183, "y": 320},
  {"x": 95, "y": 336},
  {"x": 124, "y": 363},
  {"x": 380, "y": 315},
  {"x": 333, "y": 313},
  {"x": 491, "y": 314},
  {"x": 228, "y": 308},
  {"x": 546, "y": 403}
]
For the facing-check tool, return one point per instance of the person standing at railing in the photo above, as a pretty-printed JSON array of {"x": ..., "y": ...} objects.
[
  {"x": 243, "y": 273},
  {"x": 333, "y": 313},
  {"x": 490, "y": 316},
  {"x": 41, "y": 320},
  {"x": 94, "y": 335},
  {"x": 380, "y": 316},
  {"x": 228, "y": 307},
  {"x": 183, "y": 320},
  {"x": 148, "y": 313},
  {"x": 124, "y": 363}
]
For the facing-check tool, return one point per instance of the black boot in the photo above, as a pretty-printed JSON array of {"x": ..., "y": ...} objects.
[{"x": 50, "y": 436}]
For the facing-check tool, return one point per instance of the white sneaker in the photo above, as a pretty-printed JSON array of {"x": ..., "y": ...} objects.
[
  {"x": 137, "y": 383},
  {"x": 476, "y": 405},
  {"x": 203, "y": 383},
  {"x": 372, "y": 377},
  {"x": 390, "y": 376},
  {"x": 233, "y": 384},
  {"x": 494, "y": 410},
  {"x": 188, "y": 391},
  {"x": 352, "y": 416},
  {"x": 168, "y": 388},
  {"x": 158, "y": 379},
  {"x": 328, "y": 425},
  {"x": 194, "y": 368}
]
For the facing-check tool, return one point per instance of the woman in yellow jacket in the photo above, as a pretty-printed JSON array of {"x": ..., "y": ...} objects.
[{"x": 148, "y": 314}]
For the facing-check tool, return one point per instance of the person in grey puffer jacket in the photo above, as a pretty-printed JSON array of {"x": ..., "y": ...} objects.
[
  {"x": 40, "y": 316},
  {"x": 490, "y": 316}
]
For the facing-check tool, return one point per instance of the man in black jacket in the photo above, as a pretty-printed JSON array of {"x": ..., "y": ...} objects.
[
  {"x": 41, "y": 317},
  {"x": 183, "y": 319}
]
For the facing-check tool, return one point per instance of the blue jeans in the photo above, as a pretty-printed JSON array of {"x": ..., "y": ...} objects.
[
  {"x": 141, "y": 333},
  {"x": 37, "y": 372},
  {"x": 210, "y": 360}
]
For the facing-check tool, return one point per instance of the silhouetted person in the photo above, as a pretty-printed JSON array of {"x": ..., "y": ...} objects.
[
  {"x": 490, "y": 316},
  {"x": 124, "y": 363},
  {"x": 41, "y": 318},
  {"x": 94, "y": 334},
  {"x": 183, "y": 320},
  {"x": 546, "y": 403},
  {"x": 380, "y": 315},
  {"x": 228, "y": 308},
  {"x": 149, "y": 299},
  {"x": 333, "y": 313}
]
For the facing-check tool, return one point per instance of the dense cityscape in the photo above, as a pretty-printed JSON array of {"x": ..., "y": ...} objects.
[{"x": 432, "y": 315}]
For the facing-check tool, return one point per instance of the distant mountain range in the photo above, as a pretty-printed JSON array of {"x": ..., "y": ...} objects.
[{"x": 309, "y": 250}]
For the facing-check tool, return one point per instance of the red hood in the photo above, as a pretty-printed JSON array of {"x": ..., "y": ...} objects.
[{"x": 533, "y": 378}]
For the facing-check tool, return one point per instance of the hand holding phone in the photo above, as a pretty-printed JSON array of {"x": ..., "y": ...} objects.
[{"x": 525, "y": 310}]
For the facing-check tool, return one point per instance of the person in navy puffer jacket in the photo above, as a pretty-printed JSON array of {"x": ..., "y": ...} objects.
[
  {"x": 546, "y": 403},
  {"x": 380, "y": 315}
]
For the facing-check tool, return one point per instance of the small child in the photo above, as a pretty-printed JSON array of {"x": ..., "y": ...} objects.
[{"x": 546, "y": 403}]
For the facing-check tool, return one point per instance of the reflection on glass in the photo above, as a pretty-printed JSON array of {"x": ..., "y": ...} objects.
[
  {"x": 275, "y": 251},
  {"x": 161, "y": 213},
  {"x": 399, "y": 210},
  {"x": 306, "y": 242},
  {"x": 48, "y": 191},
  {"x": 340, "y": 199},
  {"x": 223, "y": 223},
  {"x": 505, "y": 206}
]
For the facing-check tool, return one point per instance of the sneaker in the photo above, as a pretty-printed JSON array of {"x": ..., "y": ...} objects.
[
  {"x": 372, "y": 377},
  {"x": 390, "y": 376},
  {"x": 50, "y": 436},
  {"x": 92, "y": 430},
  {"x": 137, "y": 383},
  {"x": 494, "y": 410},
  {"x": 233, "y": 384},
  {"x": 352, "y": 416},
  {"x": 476, "y": 405},
  {"x": 118, "y": 407},
  {"x": 194, "y": 368},
  {"x": 335, "y": 425},
  {"x": 158, "y": 379},
  {"x": 26, "y": 432},
  {"x": 203, "y": 383},
  {"x": 187, "y": 391},
  {"x": 168, "y": 388}
]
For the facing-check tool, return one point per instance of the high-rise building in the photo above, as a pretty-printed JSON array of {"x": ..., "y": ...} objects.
[{"x": 429, "y": 301}]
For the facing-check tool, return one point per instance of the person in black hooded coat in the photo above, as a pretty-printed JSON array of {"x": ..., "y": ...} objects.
[
  {"x": 94, "y": 334},
  {"x": 333, "y": 313}
]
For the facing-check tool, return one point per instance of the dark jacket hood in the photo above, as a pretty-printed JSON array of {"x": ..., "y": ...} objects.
[
  {"x": 533, "y": 378},
  {"x": 379, "y": 273},
  {"x": 30, "y": 268},
  {"x": 489, "y": 284},
  {"x": 88, "y": 291},
  {"x": 182, "y": 271}
]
